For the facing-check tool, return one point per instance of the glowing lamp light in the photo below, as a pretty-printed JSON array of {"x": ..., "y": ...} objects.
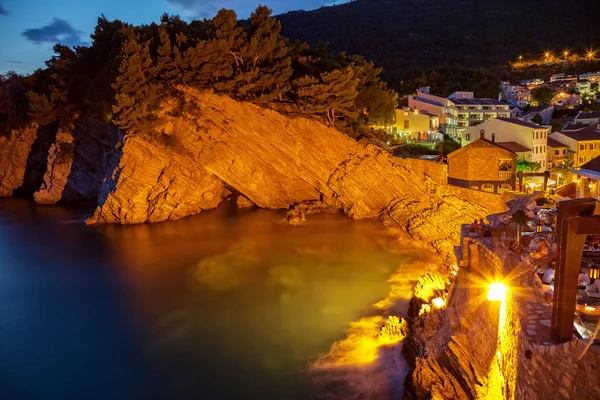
[
  {"x": 497, "y": 291},
  {"x": 590, "y": 308},
  {"x": 438, "y": 302}
]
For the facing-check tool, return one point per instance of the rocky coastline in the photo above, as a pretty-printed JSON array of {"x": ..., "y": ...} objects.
[{"x": 217, "y": 148}]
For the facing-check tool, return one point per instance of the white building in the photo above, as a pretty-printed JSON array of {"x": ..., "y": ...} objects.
[
  {"x": 528, "y": 135},
  {"x": 514, "y": 95},
  {"x": 545, "y": 112},
  {"x": 459, "y": 111},
  {"x": 590, "y": 117},
  {"x": 436, "y": 105}
]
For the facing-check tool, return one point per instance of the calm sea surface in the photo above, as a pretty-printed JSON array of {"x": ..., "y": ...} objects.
[{"x": 223, "y": 305}]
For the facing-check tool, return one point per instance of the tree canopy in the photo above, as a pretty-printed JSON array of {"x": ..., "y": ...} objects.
[{"x": 128, "y": 70}]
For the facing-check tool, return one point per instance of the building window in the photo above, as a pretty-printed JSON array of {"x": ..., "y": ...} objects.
[
  {"x": 468, "y": 136},
  {"x": 557, "y": 152},
  {"x": 582, "y": 147},
  {"x": 581, "y": 160},
  {"x": 537, "y": 135},
  {"x": 406, "y": 124},
  {"x": 564, "y": 152},
  {"x": 505, "y": 165}
]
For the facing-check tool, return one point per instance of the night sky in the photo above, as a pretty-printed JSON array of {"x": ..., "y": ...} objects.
[{"x": 29, "y": 28}]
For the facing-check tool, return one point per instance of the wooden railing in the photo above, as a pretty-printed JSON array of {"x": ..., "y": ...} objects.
[{"x": 504, "y": 174}]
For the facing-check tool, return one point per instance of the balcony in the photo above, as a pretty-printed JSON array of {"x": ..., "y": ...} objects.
[{"x": 505, "y": 174}]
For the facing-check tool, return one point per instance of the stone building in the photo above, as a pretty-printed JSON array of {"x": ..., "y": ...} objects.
[
  {"x": 583, "y": 140},
  {"x": 483, "y": 165},
  {"x": 588, "y": 182},
  {"x": 526, "y": 134},
  {"x": 557, "y": 152}
]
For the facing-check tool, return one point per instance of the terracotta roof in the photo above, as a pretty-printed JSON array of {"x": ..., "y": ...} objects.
[
  {"x": 555, "y": 143},
  {"x": 593, "y": 165},
  {"x": 589, "y": 114},
  {"x": 514, "y": 147},
  {"x": 479, "y": 141},
  {"x": 522, "y": 123},
  {"x": 572, "y": 126},
  {"x": 569, "y": 190},
  {"x": 587, "y": 132}
]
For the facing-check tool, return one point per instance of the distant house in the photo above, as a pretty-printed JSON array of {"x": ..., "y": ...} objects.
[
  {"x": 557, "y": 152},
  {"x": 483, "y": 165},
  {"x": 588, "y": 184},
  {"x": 459, "y": 111},
  {"x": 545, "y": 112},
  {"x": 514, "y": 95},
  {"x": 590, "y": 117},
  {"x": 526, "y": 134},
  {"x": 415, "y": 125},
  {"x": 583, "y": 140}
]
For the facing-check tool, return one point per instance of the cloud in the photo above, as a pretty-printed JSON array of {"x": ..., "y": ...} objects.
[
  {"x": 57, "y": 31},
  {"x": 3, "y": 11},
  {"x": 208, "y": 8}
]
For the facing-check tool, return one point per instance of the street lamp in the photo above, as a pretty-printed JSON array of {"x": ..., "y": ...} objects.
[
  {"x": 520, "y": 58},
  {"x": 590, "y": 55},
  {"x": 566, "y": 53},
  {"x": 497, "y": 291}
]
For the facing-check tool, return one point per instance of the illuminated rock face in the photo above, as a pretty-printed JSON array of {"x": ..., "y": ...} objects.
[
  {"x": 14, "y": 152},
  {"x": 77, "y": 162},
  {"x": 276, "y": 162}
]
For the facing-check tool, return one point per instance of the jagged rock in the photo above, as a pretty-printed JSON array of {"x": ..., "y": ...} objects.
[
  {"x": 14, "y": 152},
  {"x": 243, "y": 202},
  {"x": 276, "y": 162},
  {"x": 78, "y": 161},
  {"x": 60, "y": 159},
  {"x": 298, "y": 212},
  {"x": 150, "y": 183}
]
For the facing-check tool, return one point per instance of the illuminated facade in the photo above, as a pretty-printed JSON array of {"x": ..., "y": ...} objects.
[
  {"x": 528, "y": 135},
  {"x": 583, "y": 140}
]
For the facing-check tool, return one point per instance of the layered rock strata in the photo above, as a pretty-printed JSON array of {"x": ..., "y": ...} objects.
[
  {"x": 276, "y": 162},
  {"x": 60, "y": 159},
  {"x": 77, "y": 162},
  {"x": 14, "y": 153}
]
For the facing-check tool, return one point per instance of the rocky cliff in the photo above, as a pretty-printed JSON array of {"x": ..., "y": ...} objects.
[
  {"x": 209, "y": 142},
  {"x": 77, "y": 161},
  {"x": 14, "y": 152}
]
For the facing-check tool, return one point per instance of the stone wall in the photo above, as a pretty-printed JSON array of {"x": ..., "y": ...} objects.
[
  {"x": 499, "y": 350},
  {"x": 436, "y": 171}
]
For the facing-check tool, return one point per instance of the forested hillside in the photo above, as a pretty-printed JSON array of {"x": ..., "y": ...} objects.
[{"x": 403, "y": 34}]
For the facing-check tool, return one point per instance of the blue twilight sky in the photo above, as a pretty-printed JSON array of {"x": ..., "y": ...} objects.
[{"x": 29, "y": 28}]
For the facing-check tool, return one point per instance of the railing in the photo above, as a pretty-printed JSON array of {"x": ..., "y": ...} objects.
[{"x": 504, "y": 174}]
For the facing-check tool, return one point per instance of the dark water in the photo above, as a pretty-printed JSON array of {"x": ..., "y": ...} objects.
[{"x": 223, "y": 305}]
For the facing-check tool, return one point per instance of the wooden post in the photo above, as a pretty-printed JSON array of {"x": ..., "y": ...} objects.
[{"x": 572, "y": 226}]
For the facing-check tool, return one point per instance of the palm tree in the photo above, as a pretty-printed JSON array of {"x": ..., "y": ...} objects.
[{"x": 564, "y": 168}]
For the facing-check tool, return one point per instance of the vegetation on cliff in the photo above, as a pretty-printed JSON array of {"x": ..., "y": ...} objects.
[{"x": 128, "y": 70}]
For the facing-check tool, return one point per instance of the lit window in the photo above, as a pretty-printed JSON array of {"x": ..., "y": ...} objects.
[{"x": 406, "y": 124}]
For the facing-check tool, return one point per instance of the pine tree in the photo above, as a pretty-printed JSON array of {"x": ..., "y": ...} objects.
[
  {"x": 166, "y": 68},
  {"x": 266, "y": 70},
  {"x": 135, "y": 93},
  {"x": 332, "y": 96}
]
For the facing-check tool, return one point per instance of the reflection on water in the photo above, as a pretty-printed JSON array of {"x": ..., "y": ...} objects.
[{"x": 219, "y": 306}]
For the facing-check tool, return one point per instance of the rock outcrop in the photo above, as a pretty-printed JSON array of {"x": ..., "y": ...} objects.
[
  {"x": 276, "y": 162},
  {"x": 14, "y": 153},
  {"x": 77, "y": 162},
  {"x": 60, "y": 159}
]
